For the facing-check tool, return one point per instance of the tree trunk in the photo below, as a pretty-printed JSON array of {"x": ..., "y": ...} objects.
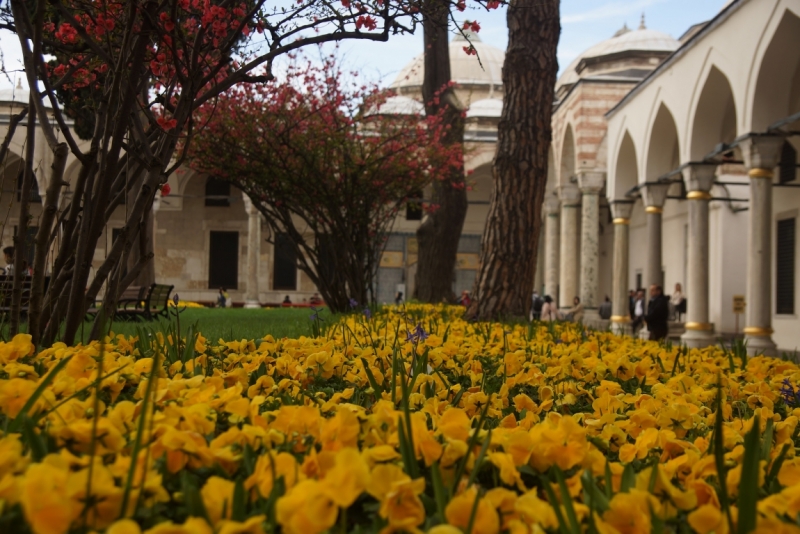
[
  {"x": 510, "y": 239},
  {"x": 439, "y": 233}
]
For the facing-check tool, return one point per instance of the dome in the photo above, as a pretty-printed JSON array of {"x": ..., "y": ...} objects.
[
  {"x": 398, "y": 105},
  {"x": 486, "y": 108},
  {"x": 464, "y": 69},
  {"x": 625, "y": 40}
]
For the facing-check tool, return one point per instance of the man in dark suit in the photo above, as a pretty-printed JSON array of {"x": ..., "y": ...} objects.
[{"x": 657, "y": 314}]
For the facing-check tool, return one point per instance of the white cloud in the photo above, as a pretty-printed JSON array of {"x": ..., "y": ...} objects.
[{"x": 611, "y": 9}]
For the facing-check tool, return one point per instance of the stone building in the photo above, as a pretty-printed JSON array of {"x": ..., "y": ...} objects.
[{"x": 673, "y": 161}]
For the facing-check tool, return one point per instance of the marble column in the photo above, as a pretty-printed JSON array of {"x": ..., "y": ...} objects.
[
  {"x": 620, "y": 312},
  {"x": 552, "y": 207},
  {"x": 590, "y": 183},
  {"x": 699, "y": 178},
  {"x": 570, "y": 197},
  {"x": 253, "y": 253},
  {"x": 761, "y": 154}
]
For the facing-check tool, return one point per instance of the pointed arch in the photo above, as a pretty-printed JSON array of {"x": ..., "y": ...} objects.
[
  {"x": 663, "y": 151},
  {"x": 626, "y": 174},
  {"x": 715, "y": 117},
  {"x": 777, "y": 92}
]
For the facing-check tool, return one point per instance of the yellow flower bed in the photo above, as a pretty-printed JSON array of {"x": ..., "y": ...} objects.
[
  {"x": 185, "y": 304},
  {"x": 412, "y": 420}
]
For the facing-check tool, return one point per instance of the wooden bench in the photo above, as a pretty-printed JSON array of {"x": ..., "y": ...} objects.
[
  {"x": 142, "y": 303},
  {"x": 6, "y": 289}
]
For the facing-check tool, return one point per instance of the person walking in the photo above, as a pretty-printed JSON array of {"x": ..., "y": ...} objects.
[
  {"x": 657, "y": 314},
  {"x": 549, "y": 311}
]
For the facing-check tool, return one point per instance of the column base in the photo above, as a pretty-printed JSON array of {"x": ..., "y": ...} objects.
[
  {"x": 252, "y": 304},
  {"x": 758, "y": 345},
  {"x": 698, "y": 339}
]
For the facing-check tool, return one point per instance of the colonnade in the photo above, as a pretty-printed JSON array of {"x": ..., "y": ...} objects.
[{"x": 581, "y": 203}]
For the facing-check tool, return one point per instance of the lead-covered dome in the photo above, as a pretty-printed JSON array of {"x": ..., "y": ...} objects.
[
  {"x": 647, "y": 46},
  {"x": 464, "y": 69}
]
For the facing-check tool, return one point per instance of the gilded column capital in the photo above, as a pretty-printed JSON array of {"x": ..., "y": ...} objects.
[
  {"x": 761, "y": 151},
  {"x": 654, "y": 195},
  {"x": 621, "y": 209},
  {"x": 699, "y": 177}
]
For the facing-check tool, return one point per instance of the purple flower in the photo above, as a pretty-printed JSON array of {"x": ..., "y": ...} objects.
[
  {"x": 175, "y": 299},
  {"x": 417, "y": 335},
  {"x": 367, "y": 313},
  {"x": 790, "y": 396},
  {"x": 353, "y": 303}
]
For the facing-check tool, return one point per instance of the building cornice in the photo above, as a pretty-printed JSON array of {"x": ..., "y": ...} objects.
[{"x": 721, "y": 17}]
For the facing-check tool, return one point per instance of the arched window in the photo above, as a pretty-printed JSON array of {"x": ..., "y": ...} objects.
[
  {"x": 34, "y": 197},
  {"x": 218, "y": 192}
]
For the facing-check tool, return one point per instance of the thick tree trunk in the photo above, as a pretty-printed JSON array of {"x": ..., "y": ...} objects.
[
  {"x": 510, "y": 239},
  {"x": 439, "y": 233}
]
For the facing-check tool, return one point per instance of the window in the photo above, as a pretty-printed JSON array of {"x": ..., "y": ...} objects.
[
  {"x": 223, "y": 260},
  {"x": 787, "y": 167},
  {"x": 34, "y": 198},
  {"x": 785, "y": 263},
  {"x": 414, "y": 206},
  {"x": 217, "y": 193},
  {"x": 285, "y": 260}
]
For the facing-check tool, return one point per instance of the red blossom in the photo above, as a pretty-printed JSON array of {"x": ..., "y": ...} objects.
[{"x": 165, "y": 190}]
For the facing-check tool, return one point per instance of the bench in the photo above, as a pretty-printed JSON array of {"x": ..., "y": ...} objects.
[
  {"x": 141, "y": 303},
  {"x": 6, "y": 288}
]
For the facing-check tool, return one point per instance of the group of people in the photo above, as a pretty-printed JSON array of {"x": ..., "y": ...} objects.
[{"x": 655, "y": 314}]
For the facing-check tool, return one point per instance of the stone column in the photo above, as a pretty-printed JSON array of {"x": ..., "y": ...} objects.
[
  {"x": 699, "y": 179},
  {"x": 253, "y": 253},
  {"x": 590, "y": 183},
  {"x": 654, "y": 195},
  {"x": 570, "y": 210},
  {"x": 761, "y": 154},
  {"x": 552, "y": 206},
  {"x": 620, "y": 311},
  {"x": 538, "y": 278}
]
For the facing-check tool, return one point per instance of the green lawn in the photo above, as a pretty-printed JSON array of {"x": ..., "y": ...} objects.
[
  {"x": 229, "y": 323},
  {"x": 236, "y": 323}
]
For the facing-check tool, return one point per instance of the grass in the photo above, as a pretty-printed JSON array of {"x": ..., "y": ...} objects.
[{"x": 227, "y": 323}]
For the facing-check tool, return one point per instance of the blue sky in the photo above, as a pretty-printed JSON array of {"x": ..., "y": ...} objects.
[{"x": 583, "y": 24}]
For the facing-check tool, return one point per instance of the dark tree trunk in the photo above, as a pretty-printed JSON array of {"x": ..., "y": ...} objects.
[
  {"x": 510, "y": 239},
  {"x": 439, "y": 233}
]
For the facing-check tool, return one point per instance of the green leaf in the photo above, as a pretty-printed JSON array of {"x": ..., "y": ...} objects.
[
  {"x": 35, "y": 441},
  {"x": 566, "y": 498},
  {"x": 766, "y": 443},
  {"x": 598, "y": 499},
  {"x": 239, "y": 510},
  {"x": 551, "y": 497},
  {"x": 719, "y": 457},
  {"x": 776, "y": 468},
  {"x": 748, "y": 483},
  {"x": 371, "y": 377},
  {"x": 628, "y": 479},
  {"x": 439, "y": 490}
]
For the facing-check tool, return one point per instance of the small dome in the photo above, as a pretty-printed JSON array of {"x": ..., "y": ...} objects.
[
  {"x": 639, "y": 40},
  {"x": 398, "y": 105},
  {"x": 18, "y": 96},
  {"x": 464, "y": 69},
  {"x": 486, "y": 108}
]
